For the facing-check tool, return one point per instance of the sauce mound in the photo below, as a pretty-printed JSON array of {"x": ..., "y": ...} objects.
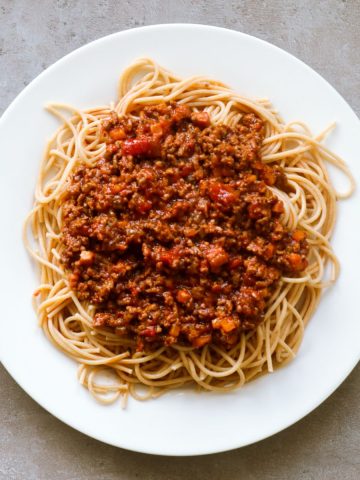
[{"x": 174, "y": 235}]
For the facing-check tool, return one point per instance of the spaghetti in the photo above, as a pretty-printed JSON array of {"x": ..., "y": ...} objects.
[{"x": 110, "y": 364}]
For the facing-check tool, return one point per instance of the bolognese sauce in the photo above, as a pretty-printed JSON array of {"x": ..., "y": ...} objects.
[{"x": 174, "y": 235}]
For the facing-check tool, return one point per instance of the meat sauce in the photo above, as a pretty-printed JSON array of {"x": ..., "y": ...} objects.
[{"x": 174, "y": 235}]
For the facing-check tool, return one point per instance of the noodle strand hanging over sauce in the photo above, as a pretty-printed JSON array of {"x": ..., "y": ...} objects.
[{"x": 182, "y": 236}]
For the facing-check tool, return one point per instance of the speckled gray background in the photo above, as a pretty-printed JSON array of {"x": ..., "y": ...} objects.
[{"x": 323, "y": 446}]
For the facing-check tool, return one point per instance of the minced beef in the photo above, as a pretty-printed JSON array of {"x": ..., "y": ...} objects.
[{"x": 174, "y": 235}]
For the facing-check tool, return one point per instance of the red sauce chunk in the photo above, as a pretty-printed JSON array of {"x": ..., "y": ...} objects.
[{"x": 174, "y": 235}]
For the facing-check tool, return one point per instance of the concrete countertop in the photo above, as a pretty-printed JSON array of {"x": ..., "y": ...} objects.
[{"x": 326, "y": 444}]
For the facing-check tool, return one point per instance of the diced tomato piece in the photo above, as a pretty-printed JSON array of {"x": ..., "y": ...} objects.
[
  {"x": 235, "y": 263},
  {"x": 181, "y": 112},
  {"x": 169, "y": 257},
  {"x": 200, "y": 119},
  {"x": 186, "y": 170},
  {"x": 134, "y": 291},
  {"x": 148, "y": 331},
  {"x": 223, "y": 194},
  {"x": 183, "y": 296},
  {"x": 143, "y": 206},
  {"x": 216, "y": 288},
  {"x": 141, "y": 146}
]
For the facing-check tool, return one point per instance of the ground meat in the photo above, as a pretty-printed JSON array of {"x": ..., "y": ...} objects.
[{"x": 174, "y": 235}]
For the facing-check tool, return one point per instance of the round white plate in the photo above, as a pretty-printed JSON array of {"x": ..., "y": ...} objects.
[{"x": 182, "y": 422}]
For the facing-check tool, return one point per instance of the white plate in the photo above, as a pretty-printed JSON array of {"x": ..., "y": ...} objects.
[{"x": 182, "y": 422}]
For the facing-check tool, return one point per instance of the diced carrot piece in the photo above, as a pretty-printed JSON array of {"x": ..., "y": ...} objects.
[
  {"x": 117, "y": 133},
  {"x": 269, "y": 251},
  {"x": 201, "y": 341},
  {"x": 156, "y": 129},
  {"x": 296, "y": 262},
  {"x": 86, "y": 257},
  {"x": 299, "y": 235},
  {"x": 216, "y": 256},
  {"x": 268, "y": 176},
  {"x": 226, "y": 324},
  {"x": 174, "y": 330},
  {"x": 278, "y": 207}
]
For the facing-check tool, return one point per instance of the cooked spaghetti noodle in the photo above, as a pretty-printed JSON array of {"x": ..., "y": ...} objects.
[{"x": 310, "y": 205}]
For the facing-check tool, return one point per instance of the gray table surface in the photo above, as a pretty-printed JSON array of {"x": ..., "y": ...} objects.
[{"x": 324, "y": 445}]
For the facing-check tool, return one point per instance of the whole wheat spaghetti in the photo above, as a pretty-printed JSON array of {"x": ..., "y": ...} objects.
[{"x": 109, "y": 364}]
